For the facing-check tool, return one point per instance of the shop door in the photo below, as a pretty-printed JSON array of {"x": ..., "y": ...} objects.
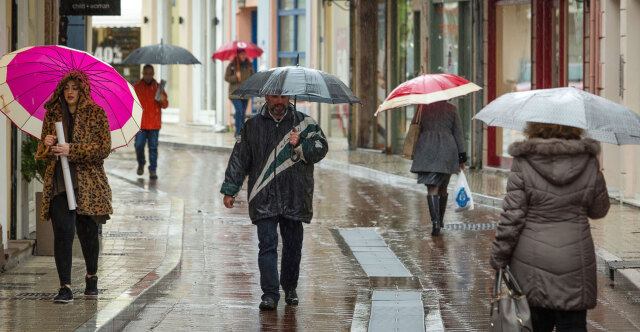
[
  {"x": 556, "y": 46},
  {"x": 450, "y": 51}
]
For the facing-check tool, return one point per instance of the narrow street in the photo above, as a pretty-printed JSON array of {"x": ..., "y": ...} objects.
[{"x": 217, "y": 285}]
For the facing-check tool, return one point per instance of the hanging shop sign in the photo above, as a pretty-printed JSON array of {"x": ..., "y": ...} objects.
[{"x": 89, "y": 7}]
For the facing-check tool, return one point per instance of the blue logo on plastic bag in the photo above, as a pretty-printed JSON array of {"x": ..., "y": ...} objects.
[{"x": 462, "y": 199}]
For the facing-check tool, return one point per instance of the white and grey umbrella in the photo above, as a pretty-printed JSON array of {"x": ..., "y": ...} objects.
[{"x": 604, "y": 120}]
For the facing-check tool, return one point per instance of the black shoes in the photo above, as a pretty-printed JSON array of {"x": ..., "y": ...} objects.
[
  {"x": 153, "y": 176},
  {"x": 91, "y": 288},
  {"x": 140, "y": 170},
  {"x": 268, "y": 304},
  {"x": 64, "y": 295},
  {"x": 291, "y": 297},
  {"x": 443, "y": 208},
  {"x": 434, "y": 212}
]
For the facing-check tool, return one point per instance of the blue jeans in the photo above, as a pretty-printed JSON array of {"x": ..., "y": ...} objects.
[
  {"x": 240, "y": 105},
  {"x": 141, "y": 139},
  {"x": 291, "y": 232}
]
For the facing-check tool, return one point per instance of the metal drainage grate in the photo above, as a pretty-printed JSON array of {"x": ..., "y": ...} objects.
[
  {"x": 113, "y": 254},
  {"x": 617, "y": 265},
  {"x": 25, "y": 273},
  {"x": 75, "y": 292},
  {"x": 121, "y": 234},
  {"x": 151, "y": 218},
  {"x": 485, "y": 226}
]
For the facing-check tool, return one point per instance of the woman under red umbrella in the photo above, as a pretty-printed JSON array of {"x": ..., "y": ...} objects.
[{"x": 238, "y": 70}]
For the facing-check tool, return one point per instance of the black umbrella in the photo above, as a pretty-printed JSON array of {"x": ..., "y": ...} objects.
[{"x": 161, "y": 54}]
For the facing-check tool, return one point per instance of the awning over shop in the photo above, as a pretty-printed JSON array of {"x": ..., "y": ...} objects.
[{"x": 131, "y": 16}]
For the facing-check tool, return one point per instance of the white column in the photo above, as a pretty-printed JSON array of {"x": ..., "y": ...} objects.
[
  {"x": 310, "y": 29},
  {"x": 264, "y": 32},
  {"x": 220, "y": 87},
  {"x": 197, "y": 47}
]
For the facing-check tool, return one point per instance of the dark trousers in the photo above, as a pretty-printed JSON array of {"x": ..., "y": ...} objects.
[
  {"x": 240, "y": 106},
  {"x": 65, "y": 223},
  {"x": 291, "y": 232},
  {"x": 565, "y": 321},
  {"x": 142, "y": 137}
]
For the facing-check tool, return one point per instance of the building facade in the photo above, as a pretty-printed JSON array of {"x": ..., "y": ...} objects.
[{"x": 194, "y": 91}]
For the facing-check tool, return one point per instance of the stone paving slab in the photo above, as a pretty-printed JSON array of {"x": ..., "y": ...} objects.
[
  {"x": 397, "y": 311},
  {"x": 383, "y": 263},
  {"x": 133, "y": 250}
]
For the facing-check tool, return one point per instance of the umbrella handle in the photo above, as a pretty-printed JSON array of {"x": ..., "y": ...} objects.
[{"x": 294, "y": 157}]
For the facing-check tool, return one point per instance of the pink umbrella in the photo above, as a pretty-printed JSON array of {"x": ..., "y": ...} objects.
[
  {"x": 29, "y": 76},
  {"x": 229, "y": 50},
  {"x": 426, "y": 89}
]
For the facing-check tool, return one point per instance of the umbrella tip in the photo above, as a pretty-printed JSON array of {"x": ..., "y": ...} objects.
[{"x": 422, "y": 68}]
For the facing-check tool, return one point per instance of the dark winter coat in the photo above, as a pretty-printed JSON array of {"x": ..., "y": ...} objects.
[
  {"x": 246, "y": 70},
  {"x": 544, "y": 233},
  {"x": 278, "y": 186},
  {"x": 90, "y": 145},
  {"x": 440, "y": 146}
]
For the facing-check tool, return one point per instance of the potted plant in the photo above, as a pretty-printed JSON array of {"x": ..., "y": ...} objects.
[{"x": 33, "y": 168}]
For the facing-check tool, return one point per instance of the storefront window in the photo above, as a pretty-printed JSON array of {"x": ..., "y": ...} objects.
[
  {"x": 408, "y": 66},
  {"x": 513, "y": 61},
  {"x": 292, "y": 27},
  {"x": 112, "y": 45},
  {"x": 451, "y": 53},
  {"x": 575, "y": 42}
]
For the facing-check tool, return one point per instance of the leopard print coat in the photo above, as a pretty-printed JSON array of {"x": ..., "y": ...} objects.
[{"x": 91, "y": 145}]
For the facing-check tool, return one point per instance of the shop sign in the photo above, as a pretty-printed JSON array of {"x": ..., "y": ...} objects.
[
  {"x": 109, "y": 54},
  {"x": 89, "y": 7}
]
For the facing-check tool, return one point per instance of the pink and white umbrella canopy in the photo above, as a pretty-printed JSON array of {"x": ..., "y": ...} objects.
[
  {"x": 30, "y": 75},
  {"x": 427, "y": 89}
]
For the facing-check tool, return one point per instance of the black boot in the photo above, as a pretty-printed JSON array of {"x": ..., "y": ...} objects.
[
  {"x": 434, "y": 211},
  {"x": 443, "y": 208}
]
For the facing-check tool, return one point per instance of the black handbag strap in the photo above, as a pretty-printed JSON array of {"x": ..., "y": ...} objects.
[{"x": 509, "y": 280}]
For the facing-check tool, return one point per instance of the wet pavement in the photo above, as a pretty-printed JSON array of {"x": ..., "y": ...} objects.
[
  {"x": 217, "y": 285},
  {"x": 132, "y": 246}
]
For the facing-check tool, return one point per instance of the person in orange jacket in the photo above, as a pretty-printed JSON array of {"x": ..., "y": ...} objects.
[{"x": 146, "y": 90}]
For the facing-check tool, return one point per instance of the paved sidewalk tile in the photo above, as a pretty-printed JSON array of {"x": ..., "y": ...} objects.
[{"x": 133, "y": 244}]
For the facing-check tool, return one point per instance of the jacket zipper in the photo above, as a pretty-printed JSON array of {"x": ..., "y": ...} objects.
[{"x": 275, "y": 170}]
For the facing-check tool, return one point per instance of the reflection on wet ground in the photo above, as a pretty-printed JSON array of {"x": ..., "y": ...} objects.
[{"x": 217, "y": 287}]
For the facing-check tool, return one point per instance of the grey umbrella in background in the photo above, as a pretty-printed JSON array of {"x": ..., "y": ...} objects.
[
  {"x": 161, "y": 54},
  {"x": 604, "y": 120}
]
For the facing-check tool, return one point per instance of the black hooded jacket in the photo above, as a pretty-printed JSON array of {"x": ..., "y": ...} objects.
[{"x": 279, "y": 185}]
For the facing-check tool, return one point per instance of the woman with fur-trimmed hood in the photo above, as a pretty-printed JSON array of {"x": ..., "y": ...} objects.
[
  {"x": 544, "y": 236},
  {"x": 88, "y": 138}
]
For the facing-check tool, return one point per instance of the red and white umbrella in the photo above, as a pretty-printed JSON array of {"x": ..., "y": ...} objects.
[
  {"x": 229, "y": 50},
  {"x": 427, "y": 89}
]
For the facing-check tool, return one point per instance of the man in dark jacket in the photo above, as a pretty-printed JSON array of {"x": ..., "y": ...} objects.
[{"x": 278, "y": 158}]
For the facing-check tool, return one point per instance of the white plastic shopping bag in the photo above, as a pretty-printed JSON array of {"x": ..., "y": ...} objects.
[{"x": 463, "y": 200}]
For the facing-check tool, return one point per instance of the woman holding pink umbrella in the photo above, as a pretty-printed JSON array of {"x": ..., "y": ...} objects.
[{"x": 88, "y": 143}]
